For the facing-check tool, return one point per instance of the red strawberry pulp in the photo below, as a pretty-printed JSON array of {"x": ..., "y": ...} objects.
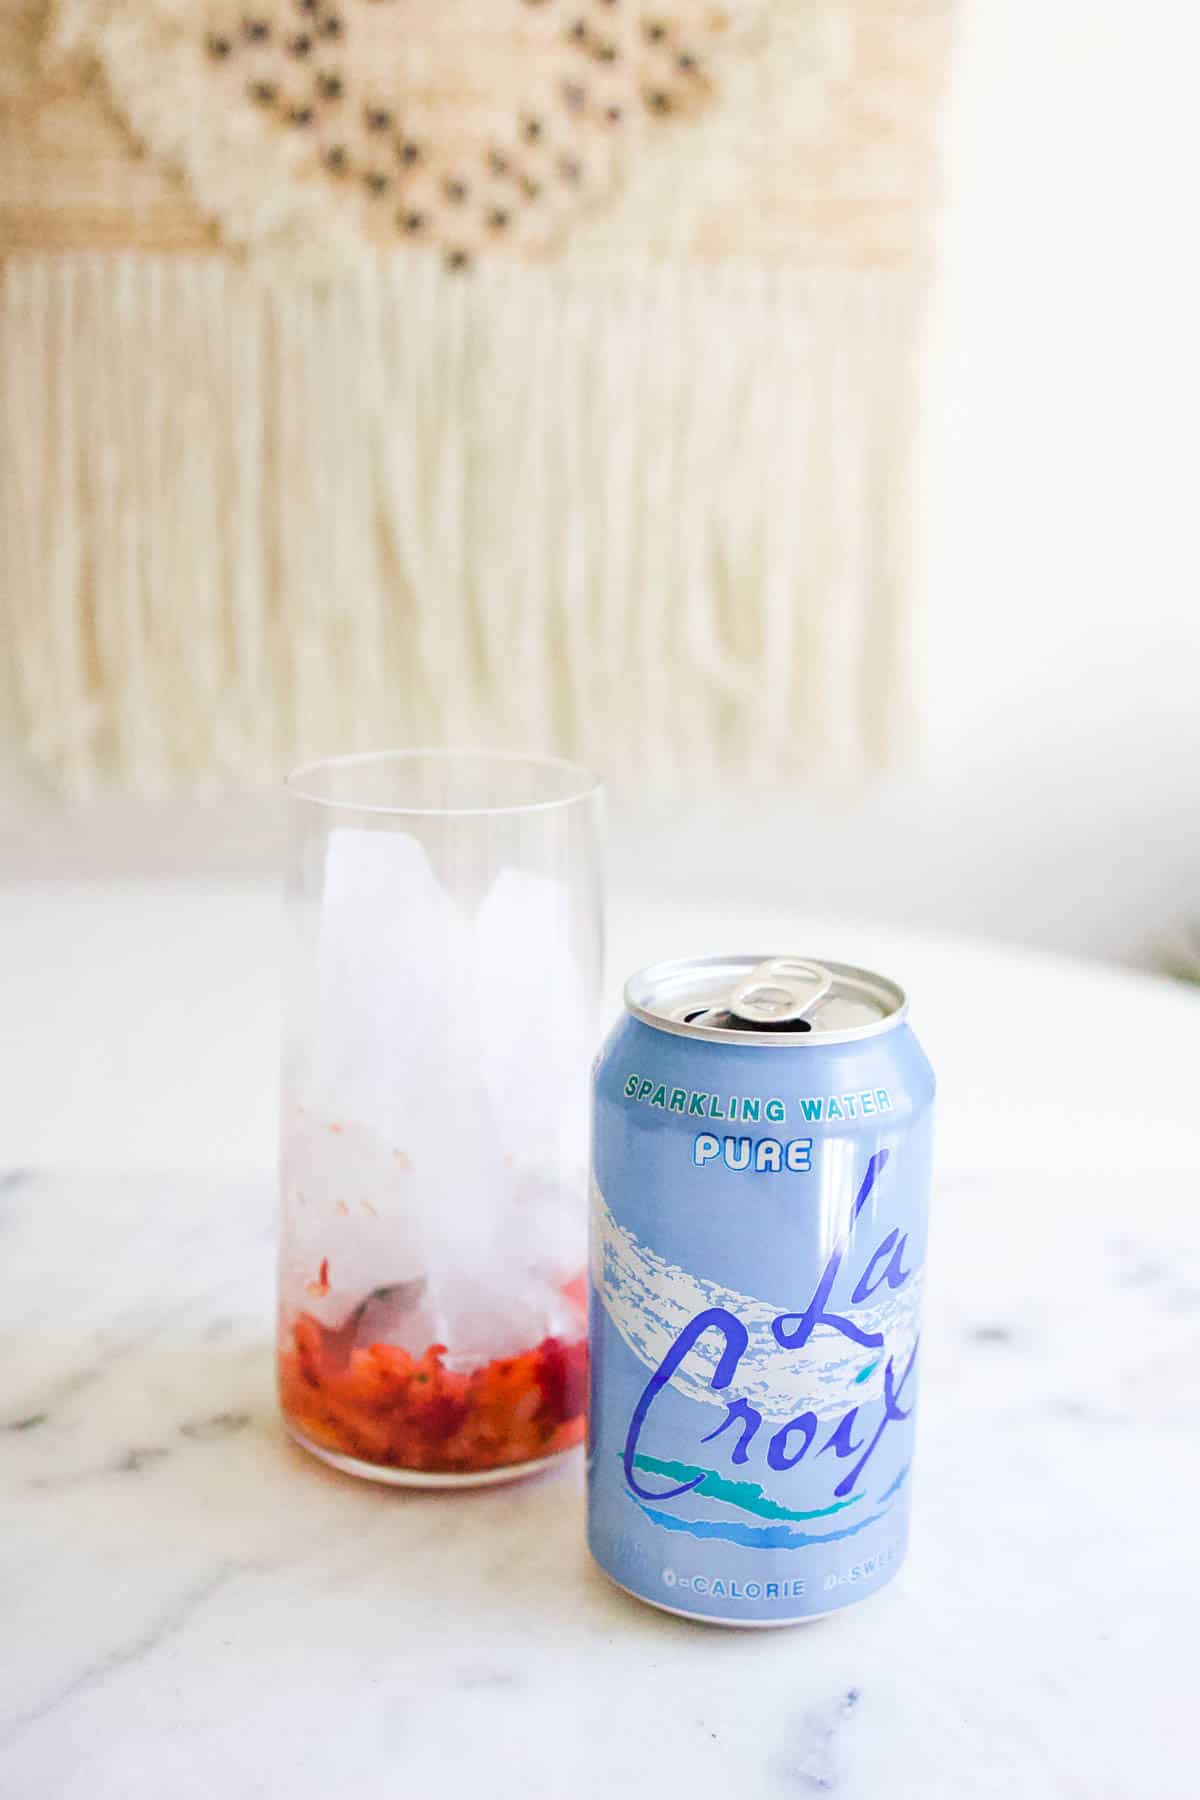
[{"x": 380, "y": 1404}]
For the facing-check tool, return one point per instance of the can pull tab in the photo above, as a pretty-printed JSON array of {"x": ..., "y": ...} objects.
[{"x": 780, "y": 991}]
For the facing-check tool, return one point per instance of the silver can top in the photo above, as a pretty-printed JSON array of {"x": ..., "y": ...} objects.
[{"x": 779, "y": 1000}]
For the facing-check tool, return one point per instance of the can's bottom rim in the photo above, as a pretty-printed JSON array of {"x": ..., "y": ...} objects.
[{"x": 696, "y": 1618}]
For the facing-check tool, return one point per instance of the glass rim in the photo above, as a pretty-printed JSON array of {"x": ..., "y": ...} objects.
[{"x": 587, "y": 786}]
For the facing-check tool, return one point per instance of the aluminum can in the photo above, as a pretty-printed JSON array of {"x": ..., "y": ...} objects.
[{"x": 761, "y": 1162}]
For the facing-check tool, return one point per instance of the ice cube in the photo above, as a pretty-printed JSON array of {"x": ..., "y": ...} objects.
[
  {"x": 535, "y": 1022},
  {"x": 348, "y": 1211},
  {"x": 446, "y": 1085},
  {"x": 393, "y": 978}
]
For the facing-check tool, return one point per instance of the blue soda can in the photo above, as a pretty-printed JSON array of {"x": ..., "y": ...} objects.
[{"x": 761, "y": 1161}]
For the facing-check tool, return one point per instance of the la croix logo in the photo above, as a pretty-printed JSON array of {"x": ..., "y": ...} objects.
[{"x": 789, "y": 1445}]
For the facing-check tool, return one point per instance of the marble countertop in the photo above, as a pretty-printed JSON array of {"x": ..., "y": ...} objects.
[{"x": 192, "y": 1607}]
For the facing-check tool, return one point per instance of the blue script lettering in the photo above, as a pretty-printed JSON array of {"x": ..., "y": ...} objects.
[
  {"x": 895, "y": 1274},
  {"x": 778, "y": 1455},
  {"x": 750, "y": 1419},
  {"x": 793, "y": 1330},
  {"x": 849, "y": 1437},
  {"x": 736, "y": 1339},
  {"x": 892, "y": 1409}
]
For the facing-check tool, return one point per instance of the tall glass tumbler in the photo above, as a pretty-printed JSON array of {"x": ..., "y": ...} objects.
[{"x": 444, "y": 943}]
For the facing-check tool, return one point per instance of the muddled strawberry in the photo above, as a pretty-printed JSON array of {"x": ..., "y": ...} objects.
[{"x": 381, "y": 1404}]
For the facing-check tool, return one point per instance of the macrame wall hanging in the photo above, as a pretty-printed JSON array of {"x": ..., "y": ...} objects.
[{"x": 510, "y": 371}]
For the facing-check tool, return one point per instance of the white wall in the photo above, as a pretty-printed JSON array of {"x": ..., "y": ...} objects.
[
  {"x": 1061, "y": 540},
  {"x": 1054, "y": 796}
]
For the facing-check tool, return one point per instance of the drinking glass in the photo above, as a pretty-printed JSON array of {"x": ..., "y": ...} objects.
[{"x": 443, "y": 958}]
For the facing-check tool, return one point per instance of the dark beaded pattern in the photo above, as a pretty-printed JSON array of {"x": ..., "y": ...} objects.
[{"x": 669, "y": 80}]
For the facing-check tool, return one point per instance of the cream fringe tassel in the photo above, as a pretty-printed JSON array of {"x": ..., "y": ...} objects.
[{"x": 655, "y": 518}]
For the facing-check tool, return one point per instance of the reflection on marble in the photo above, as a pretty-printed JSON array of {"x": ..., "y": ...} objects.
[{"x": 192, "y": 1607}]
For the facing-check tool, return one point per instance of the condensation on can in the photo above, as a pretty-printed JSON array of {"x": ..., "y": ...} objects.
[{"x": 761, "y": 1160}]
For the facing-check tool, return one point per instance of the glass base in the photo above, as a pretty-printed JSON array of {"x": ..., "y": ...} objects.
[{"x": 421, "y": 1478}]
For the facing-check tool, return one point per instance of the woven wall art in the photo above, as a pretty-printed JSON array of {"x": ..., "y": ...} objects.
[{"x": 510, "y": 371}]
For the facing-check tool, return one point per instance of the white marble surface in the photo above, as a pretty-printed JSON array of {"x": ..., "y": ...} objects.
[{"x": 192, "y": 1607}]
